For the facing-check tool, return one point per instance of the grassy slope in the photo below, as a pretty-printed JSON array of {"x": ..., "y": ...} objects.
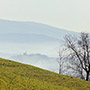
[{"x": 17, "y": 76}]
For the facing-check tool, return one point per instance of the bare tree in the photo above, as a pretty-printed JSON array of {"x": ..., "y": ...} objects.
[
  {"x": 61, "y": 62},
  {"x": 78, "y": 50},
  {"x": 76, "y": 70}
]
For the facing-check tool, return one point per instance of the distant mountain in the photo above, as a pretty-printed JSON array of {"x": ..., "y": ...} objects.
[
  {"x": 26, "y": 38},
  {"x": 22, "y": 30},
  {"x": 38, "y": 60}
]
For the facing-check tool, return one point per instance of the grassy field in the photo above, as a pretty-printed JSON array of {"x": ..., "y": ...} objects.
[{"x": 17, "y": 76}]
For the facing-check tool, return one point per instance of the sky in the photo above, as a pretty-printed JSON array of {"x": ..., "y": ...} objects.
[{"x": 72, "y": 15}]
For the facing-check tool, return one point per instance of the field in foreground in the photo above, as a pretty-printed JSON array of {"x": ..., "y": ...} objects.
[{"x": 17, "y": 76}]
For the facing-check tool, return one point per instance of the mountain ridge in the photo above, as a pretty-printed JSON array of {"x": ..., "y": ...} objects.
[
  {"x": 35, "y": 23},
  {"x": 7, "y": 26}
]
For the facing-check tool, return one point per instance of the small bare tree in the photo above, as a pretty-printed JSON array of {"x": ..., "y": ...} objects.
[
  {"x": 78, "y": 50},
  {"x": 61, "y": 62}
]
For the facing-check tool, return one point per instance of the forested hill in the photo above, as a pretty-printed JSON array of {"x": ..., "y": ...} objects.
[{"x": 17, "y": 76}]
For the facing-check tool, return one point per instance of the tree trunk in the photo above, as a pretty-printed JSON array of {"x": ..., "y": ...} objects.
[
  {"x": 87, "y": 76},
  {"x": 59, "y": 69}
]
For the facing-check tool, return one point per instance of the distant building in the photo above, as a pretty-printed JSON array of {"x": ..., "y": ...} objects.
[{"x": 25, "y": 53}]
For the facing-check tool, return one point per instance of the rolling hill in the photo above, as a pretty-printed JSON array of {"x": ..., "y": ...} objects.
[
  {"x": 17, "y": 76},
  {"x": 17, "y": 28},
  {"x": 26, "y": 38}
]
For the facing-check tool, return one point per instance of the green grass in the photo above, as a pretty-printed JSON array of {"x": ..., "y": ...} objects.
[{"x": 17, "y": 76}]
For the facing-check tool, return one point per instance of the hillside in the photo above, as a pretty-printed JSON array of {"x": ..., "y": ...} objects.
[
  {"x": 38, "y": 60},
  {"x": 17, "y": 76}
]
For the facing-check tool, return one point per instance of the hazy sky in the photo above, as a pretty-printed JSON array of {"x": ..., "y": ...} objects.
[{"x": 68, "y": 14}]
